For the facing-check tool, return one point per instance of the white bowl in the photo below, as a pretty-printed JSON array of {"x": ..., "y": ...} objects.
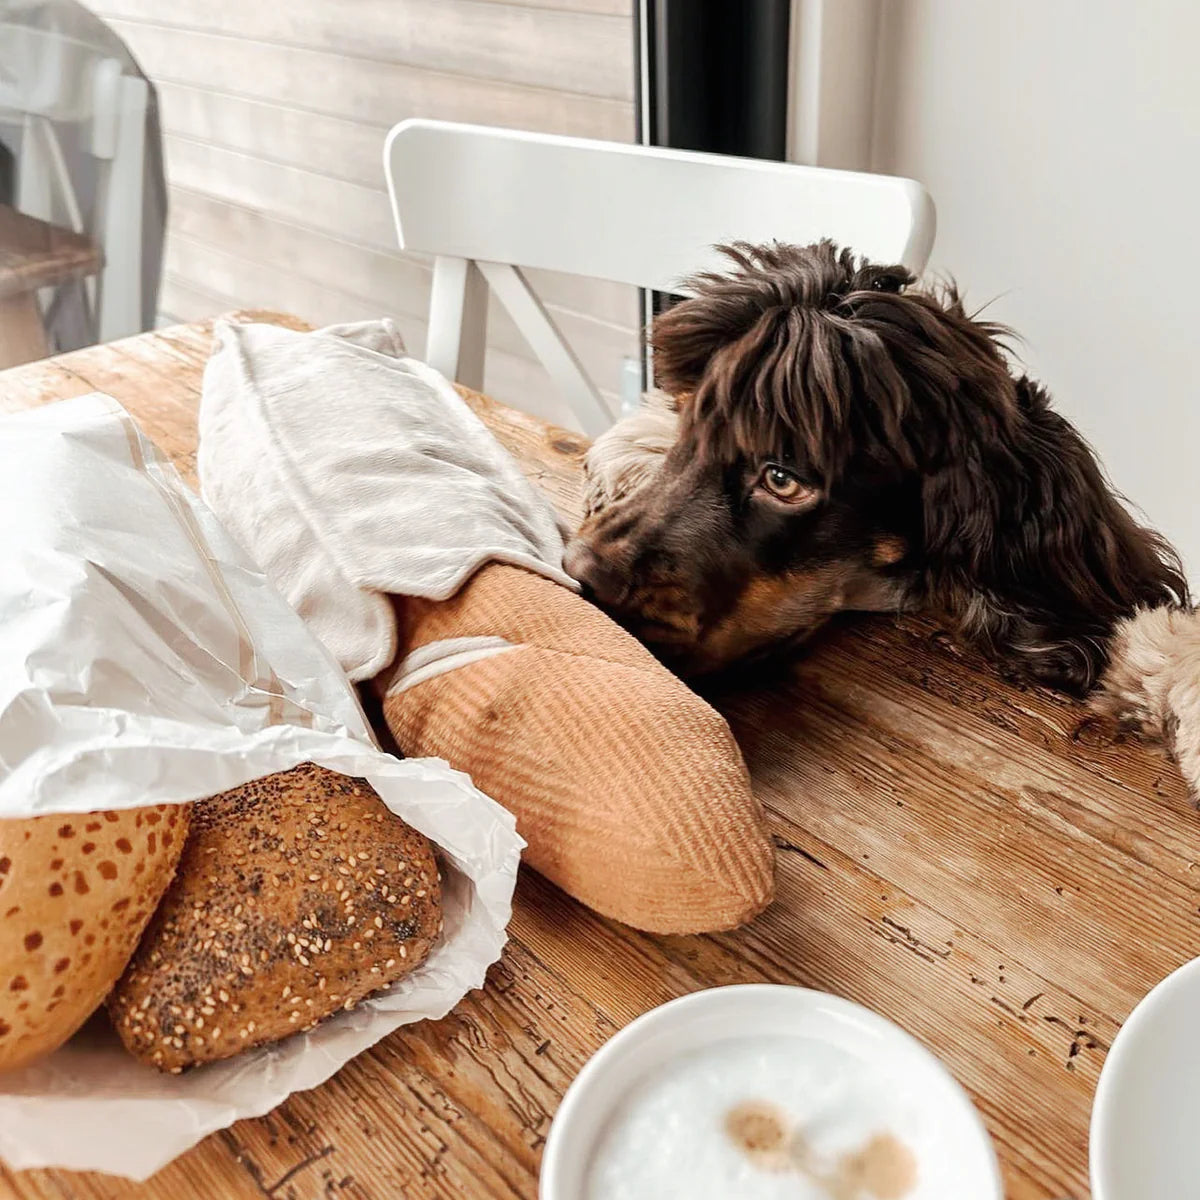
[
  {"x": 1145, "y": 1135},
  {"x": 965, "y": 1167}
]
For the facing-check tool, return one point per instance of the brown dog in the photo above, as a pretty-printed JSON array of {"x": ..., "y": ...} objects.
[{"x": 834, "y": 438}]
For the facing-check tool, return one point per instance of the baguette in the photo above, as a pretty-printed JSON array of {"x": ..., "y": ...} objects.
[{"x": 629, "y": 789}]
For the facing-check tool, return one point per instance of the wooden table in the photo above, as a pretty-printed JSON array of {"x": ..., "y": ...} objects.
[
  {"x": 34, "y": 254},
  {"x": 974, "y": 860}
]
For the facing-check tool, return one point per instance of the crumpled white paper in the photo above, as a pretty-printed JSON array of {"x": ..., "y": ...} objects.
[{"x": 144, "y": 660}]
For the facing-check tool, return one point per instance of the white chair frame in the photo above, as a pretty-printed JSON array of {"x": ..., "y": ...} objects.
[
  {"x": 114, "y": 106},
  {"x": 488, "y": 202}
]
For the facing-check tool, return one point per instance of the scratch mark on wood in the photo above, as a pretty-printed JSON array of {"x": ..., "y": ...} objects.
[
  {"x": 1008, "y": 1008},
  {"x": 303, "y": 1164},
  {"x": 901, "y": 935},
  {"x": 792, "y": 848}
]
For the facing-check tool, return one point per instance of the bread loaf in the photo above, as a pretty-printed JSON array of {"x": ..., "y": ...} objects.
[
  {"x": 630, "y": 789},
  {"x": 297, "y": 895},
  {"x": 76, "y": 891}
]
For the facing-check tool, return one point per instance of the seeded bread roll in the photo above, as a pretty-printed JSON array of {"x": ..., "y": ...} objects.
[
  {"x": 76, "y": 891},
  {"x": 297, "y": 895}
]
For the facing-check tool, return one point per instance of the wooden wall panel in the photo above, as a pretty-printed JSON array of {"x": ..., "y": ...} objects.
[
  {"x": 540, "y": 47},
  {"x": 372, "y": 91},
  {"x": 274, "y": 117}
]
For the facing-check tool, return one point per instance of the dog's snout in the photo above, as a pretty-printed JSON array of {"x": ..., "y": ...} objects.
[{"x": 601, "y": 580}]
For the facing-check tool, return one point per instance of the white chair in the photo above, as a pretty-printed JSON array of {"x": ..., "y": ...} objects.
[
  {"x": 48, "y": 79},
  {"x": 489, "y": 202}
]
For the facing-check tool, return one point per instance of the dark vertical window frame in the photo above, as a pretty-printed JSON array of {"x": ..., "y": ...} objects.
[{"x": 711, "y": 75}]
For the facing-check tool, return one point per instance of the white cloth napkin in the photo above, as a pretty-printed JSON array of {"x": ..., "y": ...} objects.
[{"x": 349, "y": 471}]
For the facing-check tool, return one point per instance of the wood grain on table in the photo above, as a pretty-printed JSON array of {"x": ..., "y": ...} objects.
[{"x": 979, "y": 862}]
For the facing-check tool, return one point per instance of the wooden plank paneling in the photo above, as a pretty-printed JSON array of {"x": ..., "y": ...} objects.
[
  {"x": 378, "y": 93},
  {"x": 351, "y": 211},
  {"x": 347, "y": 151},
  {"x": 274, "y": 118},
  {"x": 335, "y": 146},
  {"x": 542, "y": 47},
  {"x": 615, "y": 8}
]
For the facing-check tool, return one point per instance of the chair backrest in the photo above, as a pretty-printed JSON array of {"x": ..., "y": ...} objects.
[
  {"x": 487, "y": 202},
  {"x": 47, "y": 79}
]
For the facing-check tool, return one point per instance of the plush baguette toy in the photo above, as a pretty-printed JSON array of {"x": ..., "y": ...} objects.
[
  {"x": 629, "y": 789},
  {"x": 297, "y": 895},
  {"x": 76, "y": 891}
]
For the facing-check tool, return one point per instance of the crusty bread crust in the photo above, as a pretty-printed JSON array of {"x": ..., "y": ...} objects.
[
  {"x": 76, "y": 891},
  {"x": 297, "y": 895}
]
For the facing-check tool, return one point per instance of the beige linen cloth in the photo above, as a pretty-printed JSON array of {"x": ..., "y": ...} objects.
[{"x": 349, "y": 471}]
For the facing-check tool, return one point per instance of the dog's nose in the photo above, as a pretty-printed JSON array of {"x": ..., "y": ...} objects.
[{"x": 600, "y": 580}]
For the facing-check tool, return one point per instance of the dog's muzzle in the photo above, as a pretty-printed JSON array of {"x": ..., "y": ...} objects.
[{"x": 603, "y": 583}]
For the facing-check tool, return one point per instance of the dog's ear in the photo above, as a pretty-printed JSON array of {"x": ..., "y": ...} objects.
[
  {"x": 1037, "y": 558},
  {"x": 687, "y": 336}
]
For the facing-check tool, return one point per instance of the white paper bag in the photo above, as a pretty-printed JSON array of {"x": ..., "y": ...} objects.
[{"x": 144, "y": 660}]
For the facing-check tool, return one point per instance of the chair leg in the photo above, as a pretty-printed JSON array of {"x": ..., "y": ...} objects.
[
  {"x": 458, "y": 321},
  {"x": 553, "y": 351},
  {"x": 22, "y": 335}
]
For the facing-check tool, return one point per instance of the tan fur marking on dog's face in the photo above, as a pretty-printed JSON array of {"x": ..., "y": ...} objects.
[
  {"x": 783, "y": 607},
  {"x": 889, "y": 551},
  {"x": 666, "y": 615}
]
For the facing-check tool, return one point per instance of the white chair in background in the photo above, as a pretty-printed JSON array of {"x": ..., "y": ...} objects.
[
  {"x": 489, "y": 202},
  {"x": 50, "y": 80}
]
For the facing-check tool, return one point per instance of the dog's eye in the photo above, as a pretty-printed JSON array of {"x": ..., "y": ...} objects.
[
  {"x": 784, "y": 485},
  {"x": 887, "y": 283}
]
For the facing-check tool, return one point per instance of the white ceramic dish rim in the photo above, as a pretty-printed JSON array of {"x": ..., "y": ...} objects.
[
  {"x": 555, "y": 1159},
  {"x": 1125, "y": 1043}
]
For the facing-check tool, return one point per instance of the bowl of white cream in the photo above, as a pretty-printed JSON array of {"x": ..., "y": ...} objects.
[{"x": 766, "y": 1092}]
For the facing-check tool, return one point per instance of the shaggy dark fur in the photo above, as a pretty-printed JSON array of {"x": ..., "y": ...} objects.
[{"x": 919, "y": 473}]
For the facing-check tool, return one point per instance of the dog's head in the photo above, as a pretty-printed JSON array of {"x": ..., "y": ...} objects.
[{"x": 837, "y": 439}]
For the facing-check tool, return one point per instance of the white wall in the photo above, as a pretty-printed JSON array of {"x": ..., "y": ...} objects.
[{"x": 1061, "y": 142}]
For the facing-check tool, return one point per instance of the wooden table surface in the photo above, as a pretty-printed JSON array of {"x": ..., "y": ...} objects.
[{"x": 976, "y": 861}]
